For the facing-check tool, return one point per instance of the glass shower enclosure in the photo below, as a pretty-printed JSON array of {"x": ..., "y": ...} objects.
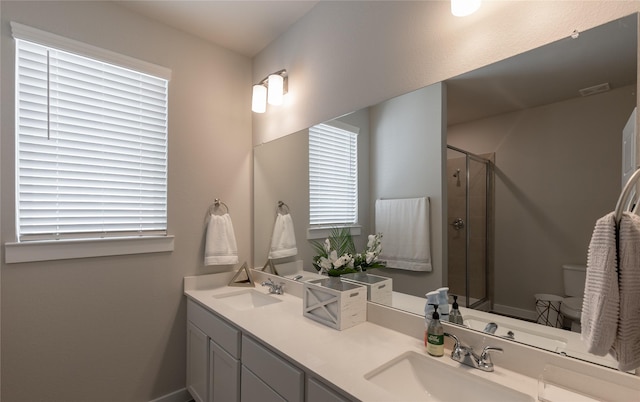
[{"x": 469, "y": 205}]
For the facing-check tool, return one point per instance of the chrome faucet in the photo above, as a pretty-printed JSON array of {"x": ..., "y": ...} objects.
[
  {"x": 466, "y": 355},
  {"x": 274, "y": 288},
  {"x": 491, "y": 328}
]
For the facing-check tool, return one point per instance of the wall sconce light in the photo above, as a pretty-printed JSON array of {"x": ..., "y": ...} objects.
[
  {"x": 462, "y": 8},
  {"x": 271, "y": 90}
]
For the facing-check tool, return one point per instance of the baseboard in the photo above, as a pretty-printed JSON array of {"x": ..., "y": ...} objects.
[
  {"x": 181, "y": 395},
  {"x": 529, "y": 315}
]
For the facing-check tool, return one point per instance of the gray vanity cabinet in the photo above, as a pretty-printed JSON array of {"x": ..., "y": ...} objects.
[
  {"x": 213, "y": 356},
  {"x": 217, "y": 371},
  {"x": 270, "y": 371},
  {"x": 317, "y": 391},
  {"x": 197, "y": 352}
]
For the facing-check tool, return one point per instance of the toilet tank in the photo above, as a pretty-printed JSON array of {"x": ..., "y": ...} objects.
[{"x": 574, "y": 278}]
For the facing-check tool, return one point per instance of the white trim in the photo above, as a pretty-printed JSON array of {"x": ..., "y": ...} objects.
[
  {"x": 181, "y": 395},
  {"x": 49, "y": 250},
  {"x": 314, "y": 233},
  {"x": 48, "y": 39}
]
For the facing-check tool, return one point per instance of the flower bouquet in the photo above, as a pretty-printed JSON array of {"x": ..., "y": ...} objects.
[
  {"x": 336, "y": 255},
  {"x": 369, "y": 258}
]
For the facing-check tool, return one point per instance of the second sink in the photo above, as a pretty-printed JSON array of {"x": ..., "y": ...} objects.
[
  {"x": 247, "y": 299},
  {"x": 416, "y": 377}
]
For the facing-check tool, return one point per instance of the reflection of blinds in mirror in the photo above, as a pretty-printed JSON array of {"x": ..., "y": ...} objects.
[{"x": 333, "y": 174}]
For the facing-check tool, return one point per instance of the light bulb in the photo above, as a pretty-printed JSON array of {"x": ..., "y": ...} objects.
[
  {"x": 276, "y": 89},
  {"x": 462, "y": 8},
  {"x": 259, "y": 99}
]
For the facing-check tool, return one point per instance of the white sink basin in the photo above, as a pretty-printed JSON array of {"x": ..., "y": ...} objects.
[
  {"x": 247, "y": 299},
  {"x": 416, "y": 377}
]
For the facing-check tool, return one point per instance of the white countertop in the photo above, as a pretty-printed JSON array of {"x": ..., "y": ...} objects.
[{"x": 340, "y": 357}]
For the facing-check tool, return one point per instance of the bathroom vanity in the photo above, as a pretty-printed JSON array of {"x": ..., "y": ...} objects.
[{"x": 245, "y": 344}]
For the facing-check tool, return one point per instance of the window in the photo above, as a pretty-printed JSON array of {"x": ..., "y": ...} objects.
[
  {"x": 91, "y": 142},
  {"x": 333, "y": 175}
]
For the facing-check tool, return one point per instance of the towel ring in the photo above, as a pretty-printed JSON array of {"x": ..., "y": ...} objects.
[
  {"x": 217, "y": 207},
  {"x": 282, "y": 208}
]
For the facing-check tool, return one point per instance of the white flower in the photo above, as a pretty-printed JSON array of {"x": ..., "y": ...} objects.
[
  {"x": 327, "y": 246},
  {"x": 324, "y": 263},
  {"x": 371, "y": 256},
  {"x": 372, "y": 241}
]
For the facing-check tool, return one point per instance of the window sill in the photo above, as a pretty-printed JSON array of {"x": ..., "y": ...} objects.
[
  {"x": 50, "y": 250},
  {"x": 315, "y": 233}
]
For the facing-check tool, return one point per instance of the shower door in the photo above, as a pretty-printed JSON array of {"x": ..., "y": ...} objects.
[{"x": 469, "y": 189}]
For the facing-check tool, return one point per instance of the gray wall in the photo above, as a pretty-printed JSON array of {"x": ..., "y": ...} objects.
[
  {"x": 558, "y": 169},
  {"x": 376, "y": 50},
  {"x": 113, "y": 329},
  {"x": 408, "y": 147}
]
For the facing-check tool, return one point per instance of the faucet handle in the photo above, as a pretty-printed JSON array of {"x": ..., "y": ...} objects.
[
  {"x": 455, "y": 340},
  {"x": 485, "y": 357}
]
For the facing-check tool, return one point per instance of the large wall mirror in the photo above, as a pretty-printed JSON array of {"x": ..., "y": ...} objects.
[{"x": 518, "y": 159}]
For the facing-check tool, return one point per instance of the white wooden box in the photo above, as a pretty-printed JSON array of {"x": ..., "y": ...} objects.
[
  {"x": 337, "y": 304},
  {"x": 379, "y": 288}
]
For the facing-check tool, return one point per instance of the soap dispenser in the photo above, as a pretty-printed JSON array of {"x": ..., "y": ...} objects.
[
  {"x": 432, "y": 299},
  {"x": 443, "y": 302},
  {"x": 455, "y": 316},
  {"x": 434, "y": 336}
]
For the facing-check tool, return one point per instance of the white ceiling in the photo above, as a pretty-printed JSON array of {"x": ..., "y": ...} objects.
[{"x": 245, "y": 27}]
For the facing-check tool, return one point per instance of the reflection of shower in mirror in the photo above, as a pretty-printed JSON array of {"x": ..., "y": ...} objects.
[{"x": 457, "y": 176}]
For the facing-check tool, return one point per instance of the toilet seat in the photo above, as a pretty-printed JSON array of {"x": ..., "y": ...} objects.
[{"x": 571, "y": 307}]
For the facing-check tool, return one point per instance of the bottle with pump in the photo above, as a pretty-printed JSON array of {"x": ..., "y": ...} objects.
[
  {"x": 434, "y": 339},
  {"x": 432, "y": 299},
  {"x": 455, "y": 316},
  {"x": 443, "y": 302}
]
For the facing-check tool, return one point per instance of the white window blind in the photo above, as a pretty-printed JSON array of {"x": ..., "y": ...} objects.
[
  {"x": 91, "y": 147},
  {"x": 333, "y": 175}
]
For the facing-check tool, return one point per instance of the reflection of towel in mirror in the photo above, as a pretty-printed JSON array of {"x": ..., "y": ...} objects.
[
  {"x": 404, "y": 224},
  {"x": 626, "y": 347},
  {"x": 600, "y": 305},
  {"x": 283, "y": 239},
  {"x": 220, "y": 246}
]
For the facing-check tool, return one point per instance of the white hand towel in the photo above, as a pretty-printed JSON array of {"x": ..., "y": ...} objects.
[
  {"x": 404, "y": 224},
  {"x": 220, "y": 246},
  {"x": 626, "y": 347},
  {"x": 283, "y": 239},
  {"x": 600, "y": 306}
]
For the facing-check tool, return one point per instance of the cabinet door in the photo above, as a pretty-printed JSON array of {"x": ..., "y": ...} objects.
[
  {"x": 224, "y": 372},
  {"x": 319, "y": 392},
  {"x": 254, "y": 389},
  {"x": 279, "y": 374},
  {"x": 197, "y": 365}
]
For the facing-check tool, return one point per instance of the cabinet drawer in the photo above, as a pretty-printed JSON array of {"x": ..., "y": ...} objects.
[
  {"x": 286, "y": 379},
  {"x": 223, "y": 333},
  {"x": 254, "y": 390},
  {"x": 320, "y": 392}
]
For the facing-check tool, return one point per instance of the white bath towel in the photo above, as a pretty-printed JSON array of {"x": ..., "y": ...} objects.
[
  {"x": 220, "y": 246},
  {"x": 283, "y": 239},
  {"x": 600, "y": 305},
  {"x": 404, "y": 224},
  {"x": 626, "y": 348}
]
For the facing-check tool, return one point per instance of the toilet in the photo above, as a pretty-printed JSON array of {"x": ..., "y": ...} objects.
[{"x": 571, "y": 307}]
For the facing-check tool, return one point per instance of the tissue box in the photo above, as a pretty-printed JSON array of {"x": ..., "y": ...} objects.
[
  {"x": 379, "y": 288},
  {"x": 337, "y": 304}
]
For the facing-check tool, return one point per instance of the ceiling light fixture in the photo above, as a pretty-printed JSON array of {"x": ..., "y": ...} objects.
[
  {"x": 271, "y": 89},
  {"x": 462, "y": 8}
]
